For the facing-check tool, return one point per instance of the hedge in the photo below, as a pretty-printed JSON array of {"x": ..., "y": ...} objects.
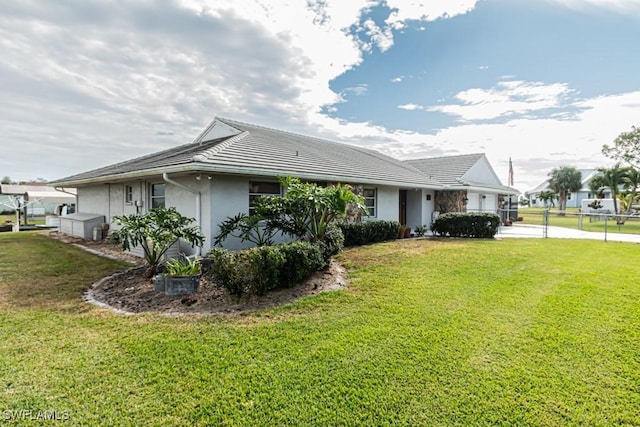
[
  {"x": 458, "y": 224},
  {"x": 262, "y": 269},
  {"x": 367, "y": 232}
]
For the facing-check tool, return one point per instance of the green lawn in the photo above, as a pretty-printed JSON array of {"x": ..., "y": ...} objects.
[
  {"x": 572, "y": 220},
  {"x": 436, "y": 333}
]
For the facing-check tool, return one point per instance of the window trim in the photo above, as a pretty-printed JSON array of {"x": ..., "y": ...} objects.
[
  {"x": 152, "y": 198},
  {"x": 128, "y": 194},
  {"x": 375, "y": 201},
  {"x": 252, "y": 195}
]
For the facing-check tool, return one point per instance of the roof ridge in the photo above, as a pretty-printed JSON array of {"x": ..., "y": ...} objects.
[
  {"x": 445, "y": 157},
  {"x": 286, "y": 132},
  {"x": 216, "y": 148}
]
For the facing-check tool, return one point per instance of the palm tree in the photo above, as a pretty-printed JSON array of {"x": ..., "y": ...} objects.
[
  {"x": 547, "y": 197},
  {"x": 612, "y": 178},
  {"x": 632, "y": 185},
  {"x": 562, "y": 181}
]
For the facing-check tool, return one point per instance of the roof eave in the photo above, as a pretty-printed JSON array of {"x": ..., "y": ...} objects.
[
  {"x": 195, "y": 167},
  {"x": 488, "y": 190}
]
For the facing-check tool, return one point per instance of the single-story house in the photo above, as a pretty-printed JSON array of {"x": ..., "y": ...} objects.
[
  {"x": 574, "y": 199},
  {"x": 232, "y": 163}
]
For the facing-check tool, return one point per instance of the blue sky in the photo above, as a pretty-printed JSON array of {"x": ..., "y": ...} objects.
[{"x": 87, "y": 83}]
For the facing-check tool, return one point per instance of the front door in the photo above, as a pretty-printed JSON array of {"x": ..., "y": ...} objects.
[{"x": 402, "y": 213}]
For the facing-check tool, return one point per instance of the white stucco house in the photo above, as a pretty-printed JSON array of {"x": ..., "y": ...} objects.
[
  {"x": 574, "y": 199},
  {"x": 232, "y": 163}
]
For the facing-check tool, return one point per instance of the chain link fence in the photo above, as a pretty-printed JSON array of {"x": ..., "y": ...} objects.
[{"x": 599, "y": 224}]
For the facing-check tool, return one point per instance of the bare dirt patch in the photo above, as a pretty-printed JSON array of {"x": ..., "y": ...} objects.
[{"x": 132, "y": 292}]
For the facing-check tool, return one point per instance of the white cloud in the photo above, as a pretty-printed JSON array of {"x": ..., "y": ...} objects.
[
  {"x": 505, "y": 99},
  {"x": 622, "y": 6},
  {"x": 411, "y": 107},
  {"x": 150, "y": 74}
]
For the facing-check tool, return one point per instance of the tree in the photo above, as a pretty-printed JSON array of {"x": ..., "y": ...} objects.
[
  {"x": 562, "y": 181},
  {"x": 547, "y": 197},
  {"x": 625, "y": 148},
  {"x": 155, "y": 231},
  {"x": 613, "y": 179},
  {"x": 6, "y": 180},
  {"x": 632, "y": 185}
]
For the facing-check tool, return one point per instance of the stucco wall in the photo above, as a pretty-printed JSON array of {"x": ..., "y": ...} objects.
[
  {"x": 94, "y": 199},
  {"x": 482, "y": 172},
  {"x": 387, "y": 202}
]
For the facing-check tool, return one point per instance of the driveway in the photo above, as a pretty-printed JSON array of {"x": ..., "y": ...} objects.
[{"x": 533, "y": 231}]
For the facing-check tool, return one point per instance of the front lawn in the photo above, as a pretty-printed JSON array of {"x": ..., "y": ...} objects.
[{"x": 511, "y": 332}]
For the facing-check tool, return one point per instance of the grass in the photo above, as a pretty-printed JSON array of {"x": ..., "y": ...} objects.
[
  {"x": 572, "y": 220},
  {"x": 511, "y": 332},
  {"x": 12, "y": 218}
]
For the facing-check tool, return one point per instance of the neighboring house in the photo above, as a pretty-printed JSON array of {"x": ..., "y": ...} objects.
[
  {"x": 38, "y": 199},
  {"x": 231, "y": 163},
  {"x": 575, "y": 199}
]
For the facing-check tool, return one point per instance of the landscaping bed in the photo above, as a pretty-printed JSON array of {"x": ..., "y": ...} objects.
[{"x": 132, "y": 292}]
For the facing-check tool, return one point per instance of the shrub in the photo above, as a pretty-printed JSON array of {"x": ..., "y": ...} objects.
[
  {"x": 262, "y": 269},
  {"x": 332, "y": 242},
  {"x": 366, "y": 232},
  {"x": 458, "y": 224},
  {"x": 301, "y": 260}
]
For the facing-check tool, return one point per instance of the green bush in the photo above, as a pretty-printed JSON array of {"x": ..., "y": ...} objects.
[
  {"x": 332, "y": 242},
  {"x": 262, "y": 269},
  {"x": 301, "y": 260},
  {"x": 459, "y": 224},
  {"x": 367, "y": 232}
]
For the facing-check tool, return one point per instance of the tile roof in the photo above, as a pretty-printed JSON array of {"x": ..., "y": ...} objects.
[
  {"x": 258, "y": 150},
  {"x": 448, "y": 170}
]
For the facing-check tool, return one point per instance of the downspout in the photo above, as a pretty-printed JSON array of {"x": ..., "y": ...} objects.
[{"x": 166, "y": 178}]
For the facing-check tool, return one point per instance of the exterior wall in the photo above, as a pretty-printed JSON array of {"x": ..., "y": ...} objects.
[
  {"x": 388, "y": 199},
  {"x": 482, "y": 172},
  {"x": 414, "y": 208},
  {"x": 94, "y": 199},
  {"x": 229, "y": 195},
  {"x": 478, "y": 203}
]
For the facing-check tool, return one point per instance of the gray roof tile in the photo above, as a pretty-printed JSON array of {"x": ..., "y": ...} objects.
[
  {"x": 270, "y": 151},
  {"x": 447, "y": 170}
]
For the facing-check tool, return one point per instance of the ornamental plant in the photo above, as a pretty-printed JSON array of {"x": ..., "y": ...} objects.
[{"x": 155, "y": 232}]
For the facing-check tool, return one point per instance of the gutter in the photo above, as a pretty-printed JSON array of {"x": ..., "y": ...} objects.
[
  {"x": 166, "y": 178},
  {"x": 62, "y": 190}
]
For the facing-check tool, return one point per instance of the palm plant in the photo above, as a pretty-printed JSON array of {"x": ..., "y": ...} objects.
[
  {"x": 563, "y": 181},
  {"x": 612, "y": 178}
]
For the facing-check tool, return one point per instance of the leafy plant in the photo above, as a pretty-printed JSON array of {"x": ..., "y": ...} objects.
[
  {"x": 420, "y": 230},
  {"x": 183, "y": 267},
  {"x": 155, "y": 231},
  {"x": 307, "y": 209},
  {"x": 248, "y": 228}
]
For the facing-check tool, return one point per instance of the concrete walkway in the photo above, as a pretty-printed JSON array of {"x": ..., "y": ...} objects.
[{"x": 537, "y": 231}]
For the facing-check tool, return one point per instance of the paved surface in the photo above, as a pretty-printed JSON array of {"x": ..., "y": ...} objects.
[{"x": 533, "y": 231}]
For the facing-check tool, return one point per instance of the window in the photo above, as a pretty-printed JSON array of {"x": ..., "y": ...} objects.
[
  {"x": 157, "y": 196},
  {"x": 259, "y": 189},
  {"x": 369, "y": 195},
  {"x": 128, "y": 194}
]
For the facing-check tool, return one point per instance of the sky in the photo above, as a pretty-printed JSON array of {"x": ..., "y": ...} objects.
[{"x": 87, "y": 83}]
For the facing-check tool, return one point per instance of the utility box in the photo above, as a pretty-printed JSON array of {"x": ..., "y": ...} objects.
[{"x": 81, "y": 224}]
